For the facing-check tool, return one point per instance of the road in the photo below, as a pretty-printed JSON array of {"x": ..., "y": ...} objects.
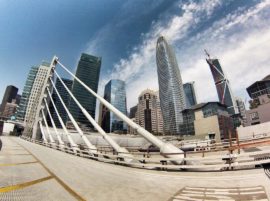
[{"x": 33, "y": 172}]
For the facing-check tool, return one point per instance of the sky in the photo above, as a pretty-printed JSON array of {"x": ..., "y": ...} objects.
[{"x": 124, "y": 33}]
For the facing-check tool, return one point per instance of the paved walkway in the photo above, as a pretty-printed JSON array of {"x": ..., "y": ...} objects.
[{"x": 32, "y": 172}]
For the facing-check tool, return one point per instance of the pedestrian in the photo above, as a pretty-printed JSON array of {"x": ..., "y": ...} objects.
[{"x": 0, "y": 144}]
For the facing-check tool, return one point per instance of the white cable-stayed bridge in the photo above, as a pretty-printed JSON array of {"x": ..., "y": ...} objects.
[{"x": 63, "y": 163}]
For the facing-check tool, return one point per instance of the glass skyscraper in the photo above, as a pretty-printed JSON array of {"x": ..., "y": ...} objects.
[
  {"x": 190, "y": 94},
  {"x": 66, "y": 98},
  {"x": 88, "y": 70},
  {"x": 222, "y": 85},
  {"x": 172, "y": 97},
  {"x": 115, "y": 93},
  {"x": 26, "y": 93}
]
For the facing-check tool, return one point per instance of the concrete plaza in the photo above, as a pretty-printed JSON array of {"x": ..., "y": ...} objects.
[{"x": 33, "y": 172}]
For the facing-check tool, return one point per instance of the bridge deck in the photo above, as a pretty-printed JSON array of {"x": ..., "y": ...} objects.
[{"x": 32, "y": 172}]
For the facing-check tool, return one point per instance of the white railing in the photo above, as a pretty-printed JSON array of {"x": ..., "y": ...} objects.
[{"x": 147, "y": 161}]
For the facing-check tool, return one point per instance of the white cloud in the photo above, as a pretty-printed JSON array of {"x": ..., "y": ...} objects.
[{"x": 241, "y": 40}]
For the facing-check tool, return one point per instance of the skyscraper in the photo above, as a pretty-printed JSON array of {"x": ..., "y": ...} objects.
[
  {"x": 222, "y": 85},
  {"x": 36, "y": 92},
  {"x": 26, "y": 93},
  {"x": 148, "y": 113},
  {"x": 172, "y": 97},
  {"x": 10, "y": 94},
  {"x": 115, "y": 93},
  {"x": 190, "y": 94},
  {"x": 88, "y": 70},
  {"x": 66, "y": 98}
]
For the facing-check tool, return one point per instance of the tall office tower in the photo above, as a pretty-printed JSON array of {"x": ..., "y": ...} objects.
[
  {"x": 172, "y": 97},
  {"x": 115, "y": 93},
  {"x": 10, "y": 94},
  {"x": 190, "y": 94},
  {"x": 148, "y": 113},
  {"x": 88, "y": 70},
  {"x": 35, "y": 94},
  {"x": 26, "y": 93},
  {"x": 66, "y": 98},
  {"x": 222, "y": 85}
]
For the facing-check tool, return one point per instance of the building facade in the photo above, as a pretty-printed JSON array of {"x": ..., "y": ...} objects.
[
  {"x": 115, "y": 93},
  {"x": 133, "y": 111},
  {"x": 65, "y": 97},
  {"x": 190, "y": 95},
  {"x": 148, "y": 113},
  {"x": 26, "y": 93},
  {"x": 10, "y": 109},
  {"x": 171, "y": 91},
  {"x": 241, "y": 109},
  {"x": 88, "y": 71},
  {"x": 35, "y": 94},
  {"x": 223, "y": 87},
  {"x": 208, "y": 121},
  {"x": 259, "y": 93},
  {"x": 10, "y": 94}
]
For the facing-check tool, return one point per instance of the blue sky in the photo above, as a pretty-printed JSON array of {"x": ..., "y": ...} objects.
[{"x": 124, "y": 34}]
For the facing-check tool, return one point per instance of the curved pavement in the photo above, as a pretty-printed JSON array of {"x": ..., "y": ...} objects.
[{"x": 33, "y": 172}]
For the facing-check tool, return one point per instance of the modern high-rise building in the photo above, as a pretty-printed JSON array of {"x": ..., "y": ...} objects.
[
  {"x": 171, "y": 91},
  {"x": 65, "y": 97},
  {"x": 148, "y": 113},
  {"x": 190, "y": 94},
  {"x": 115, "y": 93},
  {"x": 41, "y": 78},
  {"x": 10, "y": 94},
  {"x": 224, "y": 91},
  {"x": 26, "y": 93},
  {"x": 88, "y": 70}
]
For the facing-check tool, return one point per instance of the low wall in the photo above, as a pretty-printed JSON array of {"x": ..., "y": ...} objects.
[{"x": 254, "y": 131}]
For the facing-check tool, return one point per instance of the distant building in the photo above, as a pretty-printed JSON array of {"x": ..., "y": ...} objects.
[
  {"x": 39, "y": 81},
  {"x": 223, "y": 87},
  {"x": 18, "y": 99},
  {"x": 208, "y": 120},
  {"x": 10, "y": 94},
  {"x": 10, "y": 109},
  {"x": 242, "y": 110},
  {"x": 26, "y": 93},
  {"x": 190, "y": 94},
  {"x": 115, "y": 93},
  {"x": 65, "y": 97},
  {"x": 132, "y": 116},
  {"x": 171, "y": 92},
  {"x": 88, "y": 70},
  {"x": 259, "y": 111},
  {"x": 133, "y": 111},
  {"x": 148, "y": 113}
]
